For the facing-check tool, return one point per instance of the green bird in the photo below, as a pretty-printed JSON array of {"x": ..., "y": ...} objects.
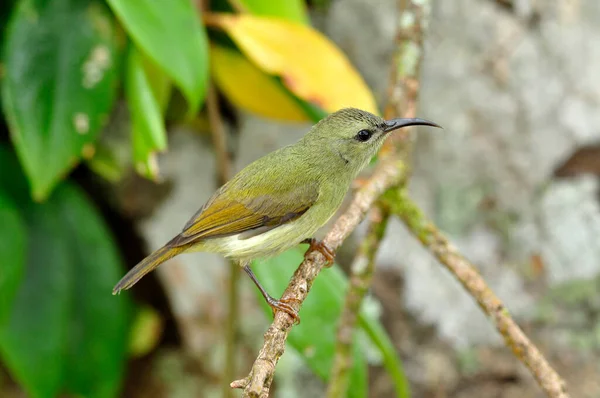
[{"x": 281, "y": 199}]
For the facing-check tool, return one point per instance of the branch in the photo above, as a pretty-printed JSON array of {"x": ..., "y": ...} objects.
[
  {"x": 257, "y": 384},
  {"x": 404, "y": 86},
  {"x": 423, "y": 229},
  {"x": 363, "y": 267},
  {"x": 403, "y": 93},
  {"x": 217, "y": 131},
  {"x": 238, "y": 6}
]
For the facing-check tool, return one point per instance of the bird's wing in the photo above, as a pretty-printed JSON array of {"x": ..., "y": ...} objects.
[{"x": 249, "y": 213}]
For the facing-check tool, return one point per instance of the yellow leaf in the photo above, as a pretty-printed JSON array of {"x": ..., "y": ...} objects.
[
  {"x": 250, "y": 88},
  {"x": 309, "y": 64}
]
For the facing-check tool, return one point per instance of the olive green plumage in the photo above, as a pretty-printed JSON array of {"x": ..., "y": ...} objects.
[{"x": 282, "y": 198}]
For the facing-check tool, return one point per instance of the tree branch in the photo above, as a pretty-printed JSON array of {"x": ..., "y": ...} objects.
[
  {"x": 257, "y": 384},
  {"x": 423, "y": 229},
  {"x": 403, "y": 93},
  {"x": 217, "y": 131}
]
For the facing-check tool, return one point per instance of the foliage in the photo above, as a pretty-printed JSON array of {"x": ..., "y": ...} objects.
[
  {"x": 59, "y": 263},
  {"x": 288, "y": 50},
  {"x": 63, "y": 64},
  {"x": 314, "y": 338},
  {"x": 61, "y": 59}
]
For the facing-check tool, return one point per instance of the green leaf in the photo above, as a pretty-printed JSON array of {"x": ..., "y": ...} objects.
[
  {"x": 106, "y": 164},
  {"x": 147, "y": 91},
  {"x": 13, "y": 240},
  {"x": 61, "y": 63},
  {"x": 102, "y": 319},
  {"x": 65, "y": 332},
  {"x": 5, "y": 9},
  {"x": 40, "y": 309},
  {"x": 391, "y": 362},
  {"x": 12, "y": 181},
  {"x": 314, "y": 338},
  {"x": 292, "y": 10},
  {"x": 171, "y": 35}
]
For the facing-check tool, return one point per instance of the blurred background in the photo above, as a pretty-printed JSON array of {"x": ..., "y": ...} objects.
[{"x": 120, "y": 119}]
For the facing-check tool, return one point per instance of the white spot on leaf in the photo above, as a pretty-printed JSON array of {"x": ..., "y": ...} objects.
[
  {"x": 81, "y": 122},
  {"x": 95, "y": 66}
]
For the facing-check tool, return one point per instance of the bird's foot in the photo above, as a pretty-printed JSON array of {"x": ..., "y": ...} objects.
[
  {"x": 284, "y": 305},
  {"x": 322, "y": 248}
]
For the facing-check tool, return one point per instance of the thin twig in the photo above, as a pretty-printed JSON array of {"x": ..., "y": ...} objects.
[
  {"x": 363, "y": 267},
  {"x": 257, "y": 384},
  {"x": 423, "y": 229},
  {"x": 238, "y": 6},
  {"x": 217, "y": 130},
  {"x": 403, "y": 93},
  {"x": 404, "y": 86}
]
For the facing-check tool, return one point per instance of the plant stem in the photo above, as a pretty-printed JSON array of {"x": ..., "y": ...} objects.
[
  {"x": 423, "y": 229},
  {"x": 363, "y": 267},
  {"x": 403, "y": 94},
  {"x": 391, "y": 362},
  {"x": 217, "y": 130}
]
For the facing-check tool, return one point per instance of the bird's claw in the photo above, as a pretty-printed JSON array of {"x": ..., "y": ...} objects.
[
  {"x": 284, "y": 305},
  {"x": 322, "y": 248}
]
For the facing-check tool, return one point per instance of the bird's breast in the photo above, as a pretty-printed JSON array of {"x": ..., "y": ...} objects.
[{"x": 267, "y": 244}]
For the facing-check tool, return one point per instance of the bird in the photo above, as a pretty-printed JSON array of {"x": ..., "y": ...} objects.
[{"x": 281, "y": 199}]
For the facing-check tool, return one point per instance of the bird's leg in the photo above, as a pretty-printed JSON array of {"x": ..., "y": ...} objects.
[
  {"x": 276, "y": 305},
  {"x": 321, "y": 248}
]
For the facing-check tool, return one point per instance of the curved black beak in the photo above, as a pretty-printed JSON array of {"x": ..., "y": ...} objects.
[{"x": 394, "y": 124}]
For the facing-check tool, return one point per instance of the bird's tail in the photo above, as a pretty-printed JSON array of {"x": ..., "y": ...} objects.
[{"x": 145, "y": 266}]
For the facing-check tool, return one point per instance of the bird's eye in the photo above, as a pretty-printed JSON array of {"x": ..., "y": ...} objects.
[{"x": 363, "y": 135}]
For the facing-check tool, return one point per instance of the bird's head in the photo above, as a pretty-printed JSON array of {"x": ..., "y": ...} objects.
[{"x": 356, "y": 135}]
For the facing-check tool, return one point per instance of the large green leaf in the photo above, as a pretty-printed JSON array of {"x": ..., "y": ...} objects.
[
  {"x": 101, "y": 320},
  {"x": 5, "y": 8},
  {"x": 61, "y": 64},
  {"x": 170, "y": 33},
  {"x": 314, "y": 338},
  {"x": 33, "y": 336},
  {"x": 12, "y": 252},
  {"x": 292, "y": 10},
  {"x": 13, "y": 184},
  {"x": 65, "y": 331},
  {"x": 147, "y": 91}
]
